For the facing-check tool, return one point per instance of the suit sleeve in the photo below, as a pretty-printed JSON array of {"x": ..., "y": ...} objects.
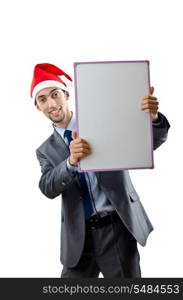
[
  {"x": 54, "y": 180},
  {"x": 160, "y": 130}
]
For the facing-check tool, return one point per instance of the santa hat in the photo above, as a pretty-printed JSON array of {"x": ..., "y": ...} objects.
[{"x": 47, "y": 75}]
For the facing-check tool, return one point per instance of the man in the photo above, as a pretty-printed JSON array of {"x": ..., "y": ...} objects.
[{"x": 102, "y": 217}]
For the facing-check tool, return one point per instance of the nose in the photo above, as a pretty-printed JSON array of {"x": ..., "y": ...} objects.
[{"x": 51, "y": 102}]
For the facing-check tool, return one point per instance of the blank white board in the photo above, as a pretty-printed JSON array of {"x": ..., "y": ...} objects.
[{"x": 108, "y": 97}]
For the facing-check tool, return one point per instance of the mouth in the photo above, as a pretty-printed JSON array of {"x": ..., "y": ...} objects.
[{"x": 55, "y": 113}]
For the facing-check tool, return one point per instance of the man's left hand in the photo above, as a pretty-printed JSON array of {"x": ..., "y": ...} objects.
[{"x": 150, "y": 104}]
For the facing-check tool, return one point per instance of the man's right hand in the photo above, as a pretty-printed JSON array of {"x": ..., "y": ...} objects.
[{"x": 79, "y": 148}]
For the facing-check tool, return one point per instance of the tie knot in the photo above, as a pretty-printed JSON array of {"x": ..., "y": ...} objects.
[{"x": 67, "y": 134}]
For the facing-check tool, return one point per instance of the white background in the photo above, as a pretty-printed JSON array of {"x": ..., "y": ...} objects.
[{"x": 61, "y": 32}]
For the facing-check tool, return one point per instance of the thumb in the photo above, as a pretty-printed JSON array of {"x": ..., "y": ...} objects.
[
  {"x": 74, "y": 135},
  {"x": 151, "y": 89}
]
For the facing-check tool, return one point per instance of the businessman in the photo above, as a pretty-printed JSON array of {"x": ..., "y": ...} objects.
[{"x": 102, "y": 218}]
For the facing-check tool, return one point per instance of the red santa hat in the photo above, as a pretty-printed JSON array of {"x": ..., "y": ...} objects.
[{"x": 47, "y": 75}]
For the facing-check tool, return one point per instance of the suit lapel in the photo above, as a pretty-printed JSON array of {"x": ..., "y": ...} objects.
[{"x": 60, "y": 143}]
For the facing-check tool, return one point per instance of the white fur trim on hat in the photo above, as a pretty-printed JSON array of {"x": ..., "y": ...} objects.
[{"x": 46, "y": 84}]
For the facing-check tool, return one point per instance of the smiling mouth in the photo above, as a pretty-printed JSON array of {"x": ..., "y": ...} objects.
[{"x": 56, "y": 112}]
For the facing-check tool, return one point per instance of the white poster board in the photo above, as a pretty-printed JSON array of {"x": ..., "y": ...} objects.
[{"x": 108, "y": 97}]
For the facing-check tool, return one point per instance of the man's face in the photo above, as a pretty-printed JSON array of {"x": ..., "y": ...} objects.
[{"x": 52, "y": 102}]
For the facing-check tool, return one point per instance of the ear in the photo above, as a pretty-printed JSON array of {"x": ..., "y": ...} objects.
[
  {"x": 37, "y": 107},
  {"x": 67, "y": 95}
]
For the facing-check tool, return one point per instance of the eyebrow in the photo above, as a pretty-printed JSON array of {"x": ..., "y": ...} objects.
[{"x": 41, "y": 96}]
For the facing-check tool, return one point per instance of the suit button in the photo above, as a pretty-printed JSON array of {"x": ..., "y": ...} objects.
[{"x": 63, "y": 183}]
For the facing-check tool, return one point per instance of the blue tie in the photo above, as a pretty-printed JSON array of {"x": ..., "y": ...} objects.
[{"x": 86, "y": 195}]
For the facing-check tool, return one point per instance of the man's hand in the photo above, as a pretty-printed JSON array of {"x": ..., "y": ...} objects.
[
  {"x": 150, "y": 104},
  {"x": 79, "y": 148}
]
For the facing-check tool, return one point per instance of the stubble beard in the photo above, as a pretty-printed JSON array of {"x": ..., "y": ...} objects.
[{"x": 62, "y": 118}]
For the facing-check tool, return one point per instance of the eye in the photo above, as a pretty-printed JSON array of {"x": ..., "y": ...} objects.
[
  {"x": 55, "y": 94},
  {"x": 42, "y": 100}
]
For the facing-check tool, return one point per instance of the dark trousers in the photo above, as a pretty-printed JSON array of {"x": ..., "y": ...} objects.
[{"x": 111, "y": 250}]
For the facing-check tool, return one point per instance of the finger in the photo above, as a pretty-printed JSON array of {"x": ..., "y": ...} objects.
[
  {"x": 151, "y": 89},
  {"x": 75, "y": 145},
  {"x": 76, "y": 141},
  {"x": 80, "y": 140},
  {"x": 150, "y": 111},
  {"x": 148, "y": 105},
  {"x": 150, "y": 97},
  {"x": 83, "y": 141},
  {"x": 74, "y": 135},
  {"x": 80, "y": 155},
  {"x": 80, "y": 150},
  {"x": 151, "y": 101},
  {"x": 87, "y": 151}
]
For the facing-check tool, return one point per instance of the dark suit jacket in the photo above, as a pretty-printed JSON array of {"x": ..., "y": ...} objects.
[{"x": 57, "y": 180}]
